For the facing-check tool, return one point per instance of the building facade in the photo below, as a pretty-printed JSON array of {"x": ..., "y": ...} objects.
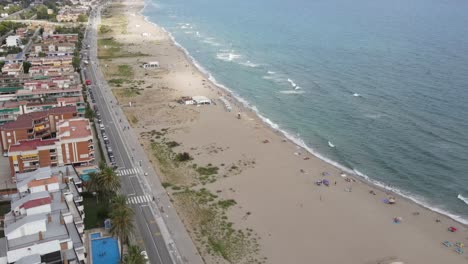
[
  {"x": 40, "y": 125},
  {"x": 45, "y": 223},
  {"x": 72, "y": 145}
]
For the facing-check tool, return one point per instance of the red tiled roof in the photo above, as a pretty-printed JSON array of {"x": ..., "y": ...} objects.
[
  {"x": 32, "y": 144},
  {"x": 77, "y": 128},
  {"x": 26, "y": 121},
  {"x": 37, "y": 202}
]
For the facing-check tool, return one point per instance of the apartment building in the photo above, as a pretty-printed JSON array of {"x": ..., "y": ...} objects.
[
  {"x": 45, "y": 224},
  {"x": 12, "y": 69},
  {"x": 72, "y": 145},
  {"x": 34, "y": 125}
]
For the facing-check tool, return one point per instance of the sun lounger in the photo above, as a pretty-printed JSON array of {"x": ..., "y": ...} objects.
[
  {"x": 447, "y": 243},
  {"x": 459, "y": 250}
]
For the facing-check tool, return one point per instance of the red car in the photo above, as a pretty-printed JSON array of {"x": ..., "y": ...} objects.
[{"x": 88, "y": 82}]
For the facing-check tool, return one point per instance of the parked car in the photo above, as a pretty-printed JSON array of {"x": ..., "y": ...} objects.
[{"x": 101, "y": 126}]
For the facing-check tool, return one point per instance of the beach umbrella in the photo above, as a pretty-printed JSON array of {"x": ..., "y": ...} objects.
[
  {"x": 398, "y": 219},
  {"x": 326, "y": 182},
  {"x": 452, "y": 229},
  {"x": 391, "y": 200}
]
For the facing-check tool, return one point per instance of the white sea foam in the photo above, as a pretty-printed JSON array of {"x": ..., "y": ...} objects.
[
  {"x": 211, "y": 42},
  {"x": 271, "y": 72},
  {"x": 356, "y": 95},
  {"x": 249, "y": 64},
  {"x": 291, "y": 92},
  {"x": 228, "y": 56},
  {"x": 464, "y": 199},
  {"x": 298, "y": 141}
]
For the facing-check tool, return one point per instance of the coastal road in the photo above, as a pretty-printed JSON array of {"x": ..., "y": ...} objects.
[{"x": 163, "y": 234}]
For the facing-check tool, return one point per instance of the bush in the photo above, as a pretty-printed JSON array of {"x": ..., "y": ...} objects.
[
  {"x": 226, "y": 203},
  {"x": 172, "y": 144},
  {"x": 207, "y": 170},
  {"x": 166, "y": 184},
  {"x": 181, "y": 157}
]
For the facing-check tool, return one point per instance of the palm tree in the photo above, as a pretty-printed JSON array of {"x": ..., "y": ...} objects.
[
  {"x": 134, "y": 256},
  {"x": 122, "y": 224},
  {"x": 93, "y": 182},
  {"x": 109, "y": 181},
  {"x": 105, "y": 182},
  {"x": 119, "y": 201}
]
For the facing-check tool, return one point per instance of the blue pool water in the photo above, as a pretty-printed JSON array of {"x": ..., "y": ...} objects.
[
  {"x": 95, "y": 235},
  {"x": 383, "y": 81},
  {"x": 105, "y": 250},
  {"x": 85, "y": 175}
]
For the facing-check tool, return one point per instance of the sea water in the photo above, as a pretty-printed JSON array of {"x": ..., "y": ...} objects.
[{"x": 377, "y": 87}]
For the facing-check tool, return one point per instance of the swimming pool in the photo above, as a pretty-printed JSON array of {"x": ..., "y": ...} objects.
[
  {"x": 85, "y": 175},
  {"x": 104, "y": 250},
  {"x": 95, "y": 235}
]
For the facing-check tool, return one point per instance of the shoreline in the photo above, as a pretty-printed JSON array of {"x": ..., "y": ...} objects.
[
  {"x": 298, "y": 141},
  {"x": 249, "y": 197}
]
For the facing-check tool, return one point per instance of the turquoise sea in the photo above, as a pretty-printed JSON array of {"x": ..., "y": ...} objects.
[{"x": 384, "y": 82}]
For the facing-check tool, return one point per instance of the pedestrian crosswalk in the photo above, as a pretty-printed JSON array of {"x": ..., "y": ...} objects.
[
  {"x": 131, "y": 171},
  {"x": 139, "y": 199}
]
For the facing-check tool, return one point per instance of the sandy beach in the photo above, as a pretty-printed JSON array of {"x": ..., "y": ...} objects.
[{"x": 247, "y": 194}]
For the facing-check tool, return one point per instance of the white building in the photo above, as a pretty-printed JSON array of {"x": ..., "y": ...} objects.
[
  {"x": 13, "y": 41},
  {"x": 201, "y": 100},
  {"x": 152, "y": 64},
  {"x": 45, "y": 224}
]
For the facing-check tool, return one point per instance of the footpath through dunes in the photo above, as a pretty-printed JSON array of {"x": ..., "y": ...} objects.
[{"x": 245, "y": 193}]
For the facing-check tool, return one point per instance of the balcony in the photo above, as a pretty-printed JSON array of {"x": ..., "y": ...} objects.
[
  {"x": 40, "y": 128},
  {"x": 45, "y": 133},
  {"x": 30, "y": 158},
  {"x": 41, "y": 121},
  {"x": 79, "y": 199},
  {"x": 30, "y": 168}
]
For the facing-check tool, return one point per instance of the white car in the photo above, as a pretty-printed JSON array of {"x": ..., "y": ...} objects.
[{"x": 101, "y": 126}]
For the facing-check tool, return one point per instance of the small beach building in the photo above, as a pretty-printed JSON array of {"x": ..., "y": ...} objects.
[
  {"x": 201, "y": 100},
  {"x": 151, "y": 64}
]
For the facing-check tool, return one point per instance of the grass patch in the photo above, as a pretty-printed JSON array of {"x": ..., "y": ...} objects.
[
  {"x": 127, "y": 92},
  {"x": 207, "y": 216},
  {"x": 133, "y": 119},
  {"x": 108, "y": 48},
  {"x": 225, "y": 204},
  {"x": 166, "y": 184},
  {"x": 125, "y": 71},
  {"x": 118, "y": 82},
  {"x": 208, "y": 170},
  {"x": 103, "y": 29},
  {"x": 96, "y": 212}
]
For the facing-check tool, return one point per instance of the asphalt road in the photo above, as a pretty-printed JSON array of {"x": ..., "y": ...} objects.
[
  {"x": 148, "y": 230},
  {"x": 159, "y": 227}
]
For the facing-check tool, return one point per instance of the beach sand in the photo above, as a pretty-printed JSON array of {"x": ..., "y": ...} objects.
[{"x": 271, "y": 180}]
